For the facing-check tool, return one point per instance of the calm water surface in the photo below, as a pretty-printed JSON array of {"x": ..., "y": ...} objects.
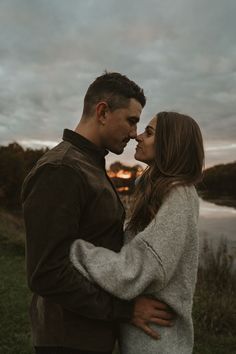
[{"x": 217, "y": 222}]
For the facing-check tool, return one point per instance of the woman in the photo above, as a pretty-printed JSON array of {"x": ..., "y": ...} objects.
[{"x": 160, "y": 254}]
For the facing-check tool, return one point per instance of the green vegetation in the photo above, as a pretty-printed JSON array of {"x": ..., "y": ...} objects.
[
  {"x": 214, "y": 309},
  {"x": 15, "y": 163},
  {"x": 14, "y": 295},
  {"x": 214, "y": 303}
]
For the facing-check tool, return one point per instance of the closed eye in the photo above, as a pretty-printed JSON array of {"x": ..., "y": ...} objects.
[
  {"x": 149, "y": 132},
  {"x": 133, "y": 121}
]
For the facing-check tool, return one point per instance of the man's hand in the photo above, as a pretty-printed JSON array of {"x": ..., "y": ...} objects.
[{"x": 148, "y": 310}]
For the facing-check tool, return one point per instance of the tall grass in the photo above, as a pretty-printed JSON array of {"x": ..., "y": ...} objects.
[{"x": 214, "y": 310}]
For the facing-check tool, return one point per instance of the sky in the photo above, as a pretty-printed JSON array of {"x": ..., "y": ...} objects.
[{"x": 181, "y": 52}]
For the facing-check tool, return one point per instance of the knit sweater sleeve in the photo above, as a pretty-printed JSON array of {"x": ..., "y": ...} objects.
[{"x": 151, "y": 256}]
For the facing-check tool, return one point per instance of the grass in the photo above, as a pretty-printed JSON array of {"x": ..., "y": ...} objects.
[
  {"x": 214, "y": 310},
  {"x": 214, "y": 302},
  {"x": 14, "y": 295}
]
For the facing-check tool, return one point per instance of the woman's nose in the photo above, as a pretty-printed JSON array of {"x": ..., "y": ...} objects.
[{"x": 138, "y": 138}]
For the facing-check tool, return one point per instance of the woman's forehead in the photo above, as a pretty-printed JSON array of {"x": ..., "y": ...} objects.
[{"x": 153, "y": 122}]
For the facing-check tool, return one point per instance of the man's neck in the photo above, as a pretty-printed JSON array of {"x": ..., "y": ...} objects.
[{"x": 89, "y": 132}]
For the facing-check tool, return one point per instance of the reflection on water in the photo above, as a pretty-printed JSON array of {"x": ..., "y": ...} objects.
[
  {"x": 217, "y": 222},
  {"x": 210, "y": 209}
]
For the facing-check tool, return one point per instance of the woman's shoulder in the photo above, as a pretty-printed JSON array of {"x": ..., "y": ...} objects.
[
  {"x": 183, "y": 195},
  {"x": 184, "y": 191}
]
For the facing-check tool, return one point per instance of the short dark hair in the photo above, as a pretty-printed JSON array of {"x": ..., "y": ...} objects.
[{"x": 115, "y": 89}]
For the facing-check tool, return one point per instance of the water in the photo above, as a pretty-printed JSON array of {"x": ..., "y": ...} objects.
[{"x": 216, "y": 223}]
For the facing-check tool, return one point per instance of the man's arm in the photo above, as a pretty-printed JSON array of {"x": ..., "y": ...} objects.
[
  {"x": 147, "y": 311},
  {"x": 53, "y": 202}
]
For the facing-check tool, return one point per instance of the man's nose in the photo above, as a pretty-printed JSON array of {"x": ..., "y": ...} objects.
[{"x": 133, "y": 133}]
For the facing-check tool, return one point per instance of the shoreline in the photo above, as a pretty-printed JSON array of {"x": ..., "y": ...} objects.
[{"x": 221, "y": 201}]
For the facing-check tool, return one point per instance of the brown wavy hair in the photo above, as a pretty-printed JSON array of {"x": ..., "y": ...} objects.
[{"x": 179, "y": 160}]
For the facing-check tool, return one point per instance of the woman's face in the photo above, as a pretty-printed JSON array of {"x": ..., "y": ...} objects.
[{"x": 145, "y": 149}]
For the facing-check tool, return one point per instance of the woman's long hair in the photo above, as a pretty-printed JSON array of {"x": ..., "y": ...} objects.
[{"x": 179, "y": 160}]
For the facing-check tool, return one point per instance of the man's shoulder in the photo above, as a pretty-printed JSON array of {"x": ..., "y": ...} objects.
[
  {"x": 63, "y": 154},
  {"x": 58, "y": 163}
]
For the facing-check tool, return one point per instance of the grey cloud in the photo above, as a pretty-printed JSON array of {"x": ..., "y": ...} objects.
[{"x": 182, "y": 53}]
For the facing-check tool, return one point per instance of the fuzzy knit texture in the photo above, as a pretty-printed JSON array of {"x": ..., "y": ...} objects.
[{"x": 160, "y": 261}]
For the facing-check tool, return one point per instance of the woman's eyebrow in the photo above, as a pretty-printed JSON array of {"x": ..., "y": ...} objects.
[{"x": 150, "y": 127}]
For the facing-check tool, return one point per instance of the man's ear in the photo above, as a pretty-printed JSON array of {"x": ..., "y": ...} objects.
[{"x": 101, "y": 112}]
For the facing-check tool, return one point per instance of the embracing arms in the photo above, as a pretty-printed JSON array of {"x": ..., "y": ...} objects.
[
  {"x": 150, "y": 258},
  {"x": 52, "y": 214}
]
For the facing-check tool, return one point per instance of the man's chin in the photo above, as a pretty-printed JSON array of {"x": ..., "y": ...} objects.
[
  {"x": 117, "y": 151},
  {"x": 136, "y": 157}
]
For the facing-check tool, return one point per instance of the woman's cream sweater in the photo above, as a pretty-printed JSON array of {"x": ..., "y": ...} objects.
[{"x": 160, "y": 261}]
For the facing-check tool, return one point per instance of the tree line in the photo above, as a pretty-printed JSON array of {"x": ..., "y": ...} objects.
[
  {"x": 220, "y": 181},
  {"x": 16, "y": 162}
]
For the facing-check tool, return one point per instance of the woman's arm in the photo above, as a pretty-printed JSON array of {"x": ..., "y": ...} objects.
[{"x": 152, "y": 256}]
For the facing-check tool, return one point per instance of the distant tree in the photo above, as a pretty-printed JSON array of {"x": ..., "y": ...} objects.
[
  {"x": 31, "y": 157},
  {"x": 116, "y": 166},
  {"x": 220, "y": 180},
  {"x": 15, "y": 163},
  {"x": 12, "y": 174}
]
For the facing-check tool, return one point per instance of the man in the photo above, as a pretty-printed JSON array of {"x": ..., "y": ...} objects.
[{"x": 66, "y": 196}]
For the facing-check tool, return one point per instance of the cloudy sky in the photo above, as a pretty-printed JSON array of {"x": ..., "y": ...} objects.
[{"x": 182, "y": 52}]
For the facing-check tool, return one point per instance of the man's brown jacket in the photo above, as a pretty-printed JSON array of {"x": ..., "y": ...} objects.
[{"x": 67, "y": 196}]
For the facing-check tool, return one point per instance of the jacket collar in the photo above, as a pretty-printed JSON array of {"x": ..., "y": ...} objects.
[{"x": 98, "y": 154}]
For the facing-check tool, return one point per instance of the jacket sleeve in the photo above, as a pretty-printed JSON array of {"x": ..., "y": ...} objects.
[
  {"x": 53, "y": 201},
  {"x": 151, "y": 256}
]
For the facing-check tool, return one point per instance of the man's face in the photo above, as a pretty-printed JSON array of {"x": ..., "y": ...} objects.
[{"x": 120, "y": 126}]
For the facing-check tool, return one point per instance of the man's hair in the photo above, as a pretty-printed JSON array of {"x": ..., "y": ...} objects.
[{"x": 113, "y": 88}]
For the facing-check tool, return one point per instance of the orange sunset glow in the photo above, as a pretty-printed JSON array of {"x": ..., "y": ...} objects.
[
  {"x": 122, "y": 189},
  {"x": 120, "y": 174}
]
